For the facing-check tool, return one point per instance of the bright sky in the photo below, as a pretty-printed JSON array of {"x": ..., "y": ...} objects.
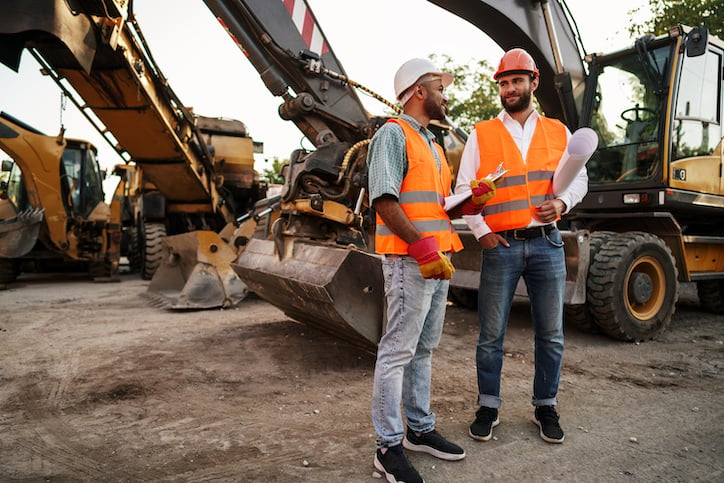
[{"x": 371, "y": 38}]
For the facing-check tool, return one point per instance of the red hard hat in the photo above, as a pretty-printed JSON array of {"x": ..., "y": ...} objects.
[{"x": 516, "y": 61}]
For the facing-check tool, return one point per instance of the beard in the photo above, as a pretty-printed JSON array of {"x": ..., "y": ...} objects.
[
  {"x": 521, "y": 104},
  {"x": 434, "y": 110}
]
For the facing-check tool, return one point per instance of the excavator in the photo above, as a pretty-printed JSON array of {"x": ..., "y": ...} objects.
[
  {"x": 650, "y": 221},
  {"x": 52, "y": 209},
  {"x": 652, "y": 217},
  {"x": 196, "y": 173}
]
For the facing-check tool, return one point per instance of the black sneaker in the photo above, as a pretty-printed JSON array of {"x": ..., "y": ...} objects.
[
  {"x": 433, "y": 443},
  {"x": 485, "y": 420},
  {"x": 546, "y": 418},
  {"x": 394, "y": 465}
]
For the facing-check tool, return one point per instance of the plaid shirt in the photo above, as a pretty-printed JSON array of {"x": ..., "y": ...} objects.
[{"x": 387, "y": 157}]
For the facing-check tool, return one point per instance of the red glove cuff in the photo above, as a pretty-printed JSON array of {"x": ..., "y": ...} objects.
[{"x": 422, "y": 249}]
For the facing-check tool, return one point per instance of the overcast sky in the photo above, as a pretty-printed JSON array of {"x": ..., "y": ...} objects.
[{"x": 371, "y": 38}]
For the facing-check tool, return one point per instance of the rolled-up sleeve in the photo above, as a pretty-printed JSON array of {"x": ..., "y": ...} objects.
[{"x": 386, "y": 162}]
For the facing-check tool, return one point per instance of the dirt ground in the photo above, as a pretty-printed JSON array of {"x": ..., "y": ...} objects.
[{"x": 98, "y": 385}]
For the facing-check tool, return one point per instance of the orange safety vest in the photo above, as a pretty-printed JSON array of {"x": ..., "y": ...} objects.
[
  {"x": 421, "y": 197},
  {"x": 526, "y": 184}
]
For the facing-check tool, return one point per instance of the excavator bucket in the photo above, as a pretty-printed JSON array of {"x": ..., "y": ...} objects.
[
  {"x": 19, "y": 233},
  {"x": 338, "y": 290},
  {"x": 196, "y": 273}
]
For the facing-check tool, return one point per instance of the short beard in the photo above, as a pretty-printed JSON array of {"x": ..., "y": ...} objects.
[
  {"x": 434, "y": 110},
  {"x": 520, "y": 105}
]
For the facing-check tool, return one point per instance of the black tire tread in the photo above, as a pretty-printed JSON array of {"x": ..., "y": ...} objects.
[
  {"x": 711, "y": 295},
  {"x": 601, "y": 283},
  {"x": 153, "y": 248},
  {"x": 580, "y": 315}
]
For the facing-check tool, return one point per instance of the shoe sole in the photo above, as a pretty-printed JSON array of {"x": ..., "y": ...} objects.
[
  {"x": 421, "y": 448},
  {"x": 546, "y": 438},
  {"x": 485, "y": 438},
  {"x": 390, "y": 478}
]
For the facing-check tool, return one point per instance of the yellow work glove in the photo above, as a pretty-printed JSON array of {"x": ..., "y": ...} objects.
[
  {"x": 483, "y": 190},
  {"x": 433, "y": 263}
]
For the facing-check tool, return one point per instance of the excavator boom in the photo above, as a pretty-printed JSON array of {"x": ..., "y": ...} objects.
[{"x": 96, "y": 53}]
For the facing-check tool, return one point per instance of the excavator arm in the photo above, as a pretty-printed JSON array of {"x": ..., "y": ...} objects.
[
  {"x": 286, "y": 46},
  {"x": 546, "y": 30},
  {"x": 318, "y": 266},
  {"x": 97, "y": 49},
  {"x": 96, "y": 53}
]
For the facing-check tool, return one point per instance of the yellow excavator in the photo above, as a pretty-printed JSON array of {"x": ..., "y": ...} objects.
[
  {"x": 52, "y": 210},
  {"x": 649, "y": 222},
  {"x": 652, "y": 217},
  {"x": 196, "y": 173}
]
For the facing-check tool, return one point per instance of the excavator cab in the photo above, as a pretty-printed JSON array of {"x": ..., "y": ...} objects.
[
  {"x": 82, "y": 179},
  {"x": 627, "y": 109},
  {"x": 656, "y": 112}
]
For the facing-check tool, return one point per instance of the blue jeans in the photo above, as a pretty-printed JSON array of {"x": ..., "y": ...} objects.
[
  {"x": 415, "y": 315},
  {"x": 541, "y": 263}
]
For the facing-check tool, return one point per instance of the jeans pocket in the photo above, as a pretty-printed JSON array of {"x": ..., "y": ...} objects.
[{"x": 554, "y": 239}]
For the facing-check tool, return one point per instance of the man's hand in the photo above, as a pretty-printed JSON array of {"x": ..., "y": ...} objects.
[
  {"x": 483, "y": 190},
  {"x": 433, "y": 263},
  {"x": 491, "y": 240},
  {"x": 550, "y": 210}
]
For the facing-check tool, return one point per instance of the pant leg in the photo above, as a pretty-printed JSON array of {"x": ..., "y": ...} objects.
[
  {"x": 545, "y": 278},
  {"x": 408, "y": 300},
  {"x": 499, "y": 274},
  {"x": 418, "y": 373}
]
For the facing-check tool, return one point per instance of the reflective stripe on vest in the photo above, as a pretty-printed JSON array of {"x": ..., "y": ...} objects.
[
  {"x": 421, "y": 197},
  {"x": 526, "y": 184}
]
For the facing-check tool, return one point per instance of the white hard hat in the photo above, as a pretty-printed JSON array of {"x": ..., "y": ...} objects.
[{"x": 412, "y": 70}]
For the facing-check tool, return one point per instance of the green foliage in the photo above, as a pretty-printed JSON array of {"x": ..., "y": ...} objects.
[
  {"x": 473, "y": 95},
  {"x": 693, "y": 13},
  {"x": 273, "y": 175}
]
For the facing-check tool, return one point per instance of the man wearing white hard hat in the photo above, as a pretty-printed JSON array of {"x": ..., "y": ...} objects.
[
  {"x": 519, "y": 238},
  {"x": 409, "y": 178}
]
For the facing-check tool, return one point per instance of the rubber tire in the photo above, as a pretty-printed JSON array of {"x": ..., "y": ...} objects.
[
  {"x": 152, "y": 248},
  {"x": 463, "y": 297},
  {"x": 9, "y": 270},
  {"x": 711, "y": 295},
  {"x": 580, "y": 315},
  {"x": 135, "y": 257},
  {"x": 615, "y": 311}
]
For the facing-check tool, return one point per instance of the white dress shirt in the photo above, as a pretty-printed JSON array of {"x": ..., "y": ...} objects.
[{"x": 522, "y": 135}]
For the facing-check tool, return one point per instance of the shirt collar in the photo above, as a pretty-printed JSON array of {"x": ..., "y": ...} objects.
[
  {"x": 505, "y": 117},
  {"x": 417, "y": 126}
]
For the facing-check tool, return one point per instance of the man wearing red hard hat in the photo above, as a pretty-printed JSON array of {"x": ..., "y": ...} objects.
[{"x": 518, "y": 236}]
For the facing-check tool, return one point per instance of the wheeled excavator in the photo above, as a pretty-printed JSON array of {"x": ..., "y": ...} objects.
[
  {"x": 652, "y": 217},
  {"x": 196, "y": 172},
  {"x": 650, "y": 220},
  {"x": 654, "y": 213}
]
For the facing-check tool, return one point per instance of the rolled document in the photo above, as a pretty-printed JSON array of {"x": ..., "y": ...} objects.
[{"x": 581, "y": 146}]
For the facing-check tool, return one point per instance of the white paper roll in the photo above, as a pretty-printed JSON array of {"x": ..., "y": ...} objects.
[{"x": 581, "y": 146}]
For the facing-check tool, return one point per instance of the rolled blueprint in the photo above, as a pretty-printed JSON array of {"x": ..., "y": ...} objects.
[{"x": 581, "y": 146}]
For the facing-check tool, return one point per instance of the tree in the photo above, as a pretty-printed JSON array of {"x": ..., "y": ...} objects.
[
  {"x": 273, "y": 175},
  {"x": 473, "y": 95},
  {"x": 693, "y": 13}
]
